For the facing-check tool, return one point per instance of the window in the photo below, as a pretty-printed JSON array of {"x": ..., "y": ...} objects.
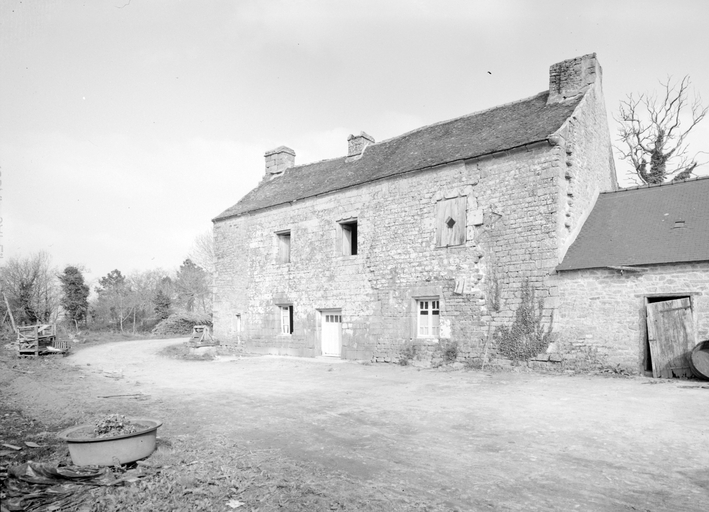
[
  {"x": 237, "y": 322},
  {"x": 349, "y": 238},
  {"x": 286, "y": 319},
  {"x": 283, "y": 247},
  {"x": 428, "y": 316},
  {"x": 450, "y": 221}
]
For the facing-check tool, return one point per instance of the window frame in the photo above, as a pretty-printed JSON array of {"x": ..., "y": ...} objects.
[
  {"x": 285, "y": 319},
  {"x": 349, "y": 237},
  {"x": 284, "y": 243},
  {"x": 432, "y": 309},
  {"x": 237, "y": 322}
]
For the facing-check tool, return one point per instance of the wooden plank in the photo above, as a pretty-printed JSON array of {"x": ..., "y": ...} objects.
[
  {"x": 440, "y": 223},
  {"x": 454, "y": 209},
  {"x": 458, "y": 207},
  {"x": 671, "y": 337},
  {"x": 9, "y": 310}
]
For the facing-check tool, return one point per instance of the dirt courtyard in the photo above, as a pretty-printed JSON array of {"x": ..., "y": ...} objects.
[{"x": 458, "y": 440}]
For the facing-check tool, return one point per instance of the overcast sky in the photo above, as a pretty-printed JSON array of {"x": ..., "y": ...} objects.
[{"x": 125, "y": 126}]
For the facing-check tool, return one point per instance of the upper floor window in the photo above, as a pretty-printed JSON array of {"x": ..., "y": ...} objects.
[
  {"x": 428, "y": 318},
  {"x": 451, "y": 224},
  {"x": 283, "y": 246},
  {"x": 349, "y": 237}
]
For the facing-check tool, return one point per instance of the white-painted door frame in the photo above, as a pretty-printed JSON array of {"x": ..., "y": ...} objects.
[{"x": 331, "y": 332}]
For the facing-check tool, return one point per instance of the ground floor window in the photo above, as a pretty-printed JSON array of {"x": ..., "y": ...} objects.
[
  {"x": 286, "y": 319},
  {"x": 428, "y": 316}
]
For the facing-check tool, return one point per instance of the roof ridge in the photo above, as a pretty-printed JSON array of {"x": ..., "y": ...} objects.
[
  {"x": 465, "y": 116},
  {"x": 500, "y": 128},
  {"x": 655, "y": 185},
  {"x": 425, "y": 127}
]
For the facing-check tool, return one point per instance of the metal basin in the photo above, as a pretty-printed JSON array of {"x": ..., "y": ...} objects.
[{"x": 108, "y": 451}]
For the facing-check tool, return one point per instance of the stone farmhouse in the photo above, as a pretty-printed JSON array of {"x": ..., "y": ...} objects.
[{"x": 434, "y": 241}]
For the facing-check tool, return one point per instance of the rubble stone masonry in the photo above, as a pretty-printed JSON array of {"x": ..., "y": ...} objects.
[
  {"x": 524, "y": 207},
  {"x": 603, "y": 311},
  {"x": 511, "y": 225}
]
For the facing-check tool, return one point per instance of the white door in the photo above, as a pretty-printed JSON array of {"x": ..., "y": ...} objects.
[{"x": 331, "y": 333}]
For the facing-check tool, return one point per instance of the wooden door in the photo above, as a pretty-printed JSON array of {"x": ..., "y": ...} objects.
[
  {"x": 331, "y": 333},
  {"x": 670, "y": 332}
]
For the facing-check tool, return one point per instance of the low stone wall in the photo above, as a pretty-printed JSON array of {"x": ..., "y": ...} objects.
[{"x": 601, "y": 315}]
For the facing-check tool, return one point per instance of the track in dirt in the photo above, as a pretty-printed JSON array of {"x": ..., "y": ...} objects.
[{"x": 470, "y": 440}]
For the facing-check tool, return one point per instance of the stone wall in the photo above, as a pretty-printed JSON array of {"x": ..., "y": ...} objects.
[
  {"x": 586, "y": 150},
  {"x": 511, "y": 228},
  {"x": 601, "y": 313}
]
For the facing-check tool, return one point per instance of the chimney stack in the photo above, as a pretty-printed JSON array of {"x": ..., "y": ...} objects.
[
  {"x": 278, "y": 160},
  {"x": 357, "y": 143},
  {"x": 572, "y": 77}
]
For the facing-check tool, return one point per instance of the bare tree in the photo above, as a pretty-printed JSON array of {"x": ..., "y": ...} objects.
[
  {"x": 32, "y": 288},
  {"x": 144, "y": 285},
  {"x": 653, "y": 133},
  {"x": 202, "y": 251}
]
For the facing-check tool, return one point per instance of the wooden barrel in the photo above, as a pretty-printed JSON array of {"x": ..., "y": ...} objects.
[{"x": 699, "y": 360}]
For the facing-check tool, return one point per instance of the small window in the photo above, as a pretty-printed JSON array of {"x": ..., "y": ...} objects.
[
  {"x": 283, "y": 247},
  {"x": 428, "y": 318},
  {"x": 349, "y": 238},
  {"x": 237, "y": 322},
  {"x": 450, "y": 221},
  {"x": 286, "y": 319}
]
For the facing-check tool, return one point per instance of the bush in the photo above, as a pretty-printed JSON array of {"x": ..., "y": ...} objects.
[
  {"x": 181, "y": 323},
  {"x": 527, "y": 336},
  {"x": 450, "y": 353},
  {"x": 407, "y": 354}
]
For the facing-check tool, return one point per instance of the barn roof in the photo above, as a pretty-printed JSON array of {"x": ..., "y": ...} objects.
[
  {"x": 502, "y": 128},
  {"x": 666, "y": 223}
]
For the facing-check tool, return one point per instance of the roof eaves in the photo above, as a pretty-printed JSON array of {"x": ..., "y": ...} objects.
[
  {"x": 560, "y": 268},
  {"x": 380, "y": 178},
  {"x": 655, "y": 185}
]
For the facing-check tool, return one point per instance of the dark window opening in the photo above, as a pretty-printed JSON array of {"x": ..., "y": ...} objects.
[{"x": 349, "y": 238}]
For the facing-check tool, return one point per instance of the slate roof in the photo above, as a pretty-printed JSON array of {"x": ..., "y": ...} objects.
[
  {"x": 641, "y": 226},
  {"x": 498, "y": 129}
]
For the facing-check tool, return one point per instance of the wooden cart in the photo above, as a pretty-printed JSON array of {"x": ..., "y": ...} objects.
[{"x": 201, "y": 337}]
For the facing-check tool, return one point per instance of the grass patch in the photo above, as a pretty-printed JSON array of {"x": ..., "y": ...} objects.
[{"x": 182, "y": 351}]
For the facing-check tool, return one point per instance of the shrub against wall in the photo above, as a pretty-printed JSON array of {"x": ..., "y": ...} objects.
[{"x": 527, "y": 336}]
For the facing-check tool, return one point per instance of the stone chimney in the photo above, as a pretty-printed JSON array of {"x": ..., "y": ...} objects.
[
  {"x": 278, "y": 160},
  {"x": 572, "y": 77},
  {"x": 357, "y": 143}
]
